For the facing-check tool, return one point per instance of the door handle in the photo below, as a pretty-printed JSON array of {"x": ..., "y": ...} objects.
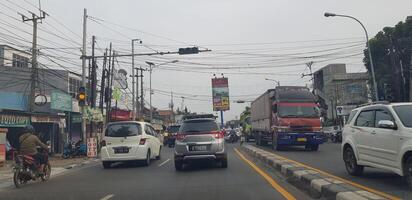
[{"x": 373, "y": 132}]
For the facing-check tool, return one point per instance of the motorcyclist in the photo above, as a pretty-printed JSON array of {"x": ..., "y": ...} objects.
[{"x": 28, "y": 146}]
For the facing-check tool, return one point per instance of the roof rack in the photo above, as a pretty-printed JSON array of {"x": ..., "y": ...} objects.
[
  {"x": 374, "y": 103},
  {"x": 186, "y": 117}
]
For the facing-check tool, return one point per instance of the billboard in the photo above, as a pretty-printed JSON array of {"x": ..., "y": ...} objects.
[{"x": 220, "y": 94}]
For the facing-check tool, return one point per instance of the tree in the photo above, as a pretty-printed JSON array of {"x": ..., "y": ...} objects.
[{"x": 391, "y": 51}]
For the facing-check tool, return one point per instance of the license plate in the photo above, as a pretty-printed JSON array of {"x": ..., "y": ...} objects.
[
  {"x": 198, "y": 148},
  {"x": 121, "y": 150},
  {"x": 301, "y": 139}
]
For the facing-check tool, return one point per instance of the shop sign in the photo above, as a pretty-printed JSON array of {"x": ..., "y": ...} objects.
[
  {"x": 45, "y": 119},
  {"x": 76, "y": 119},
  {"x": 13, "y": 120},
  {"x": 91, "y": 147},
  {"x": 61, "y": 101}
]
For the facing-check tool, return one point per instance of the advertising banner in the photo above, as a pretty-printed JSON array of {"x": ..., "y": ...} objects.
[
  {"x": 220, "y": 94},
  {"x": 91, "y": 147}
]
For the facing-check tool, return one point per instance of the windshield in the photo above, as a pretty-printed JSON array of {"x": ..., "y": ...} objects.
[
  {"x": 123, "y": 130},
  {"x": 298, "y": 111},
  {"x": 404, "y": 114},
  {"x": 173, "y": 129},
  {"x": 199, "y": 126}
]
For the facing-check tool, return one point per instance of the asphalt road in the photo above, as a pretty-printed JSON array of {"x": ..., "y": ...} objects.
[
  {"x": 158, "y": 181},
  {"x": 329, "y": 159}
]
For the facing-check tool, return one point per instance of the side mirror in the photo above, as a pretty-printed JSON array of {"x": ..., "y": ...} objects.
[{"x": 388, "y": 124}]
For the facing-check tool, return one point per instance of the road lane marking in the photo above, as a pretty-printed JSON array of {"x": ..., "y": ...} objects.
[
  {"x": 107, "y": 197},
  {"x": 339, "y": 178},
  {"x": 267, "y": 177},
  {"x": 164, "y": 162}
]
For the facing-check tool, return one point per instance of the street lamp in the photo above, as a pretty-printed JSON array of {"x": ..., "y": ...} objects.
[
  {"x": 151, "y": 66},
  {"x": 375, "y": 87},
  {"x": 276, "y": 81}
]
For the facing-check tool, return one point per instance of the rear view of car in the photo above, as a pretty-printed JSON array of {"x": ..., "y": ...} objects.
[
  {"x": 199, "y": 139},
  {"x": 125, "y": 141}
]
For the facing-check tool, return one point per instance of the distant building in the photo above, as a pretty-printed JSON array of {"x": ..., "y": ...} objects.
[
  {"x": 335, "y": 87},
  {"x": 12, "y": 57},
  {"x": 167, "y": 116}
]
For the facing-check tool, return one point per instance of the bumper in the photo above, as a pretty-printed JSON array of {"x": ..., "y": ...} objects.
[
  {"x": 191, "y": 158},
  {"x": 139, "y": 153},
  {"x": 300, "y": 138}
]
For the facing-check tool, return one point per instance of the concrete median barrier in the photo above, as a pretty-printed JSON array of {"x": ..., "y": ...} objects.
[{"x": 318, "y": 185}]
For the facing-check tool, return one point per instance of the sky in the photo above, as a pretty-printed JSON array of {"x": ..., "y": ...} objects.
[{"x": 249, "y": 40}]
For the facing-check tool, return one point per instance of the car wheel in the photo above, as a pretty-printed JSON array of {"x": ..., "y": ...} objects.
[
  {"x": 106, "y": 164},
  {"x": 160, "y": 151},
  {"x": 351, "y": 164},
  {"x": 178, "y": 165},
  {"x": 408, "y": 171},
  {"x": 147, "y": 160}
]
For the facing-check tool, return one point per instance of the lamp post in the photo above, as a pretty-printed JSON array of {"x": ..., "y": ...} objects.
[
  {"x": 276, "y": 81},
  {"x": 151, "y": 66},
  {"x": 375, "y": 87}
]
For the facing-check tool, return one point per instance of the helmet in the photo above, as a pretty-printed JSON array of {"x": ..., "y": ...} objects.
[{"x": 29, "y": 129}]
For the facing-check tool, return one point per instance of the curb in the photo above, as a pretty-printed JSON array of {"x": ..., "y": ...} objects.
[{"x": 317, "y": 184}]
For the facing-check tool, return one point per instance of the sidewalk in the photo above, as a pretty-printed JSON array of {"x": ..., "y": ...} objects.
[{"x": 58, "y": 165}]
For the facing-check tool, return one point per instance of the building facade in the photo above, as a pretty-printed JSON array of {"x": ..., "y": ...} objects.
[
  {"x": 55, "y": 115},
  {"x": 335, "y": 88}
]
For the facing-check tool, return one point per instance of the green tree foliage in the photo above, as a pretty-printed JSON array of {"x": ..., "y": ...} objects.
[{"x": 391, "y": 50}]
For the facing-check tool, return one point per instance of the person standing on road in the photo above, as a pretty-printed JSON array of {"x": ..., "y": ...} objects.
[{"x": 28, "y": 146}]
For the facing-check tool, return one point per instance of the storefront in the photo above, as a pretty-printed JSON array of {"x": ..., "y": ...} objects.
[
  {"x": 51, "y": 128},
  {"x": 74, "y": 127},
  {"x": 13, "y": 123}
]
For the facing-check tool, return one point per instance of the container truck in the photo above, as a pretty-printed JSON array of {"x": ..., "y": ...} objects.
[{"x": 287, "y": 116}]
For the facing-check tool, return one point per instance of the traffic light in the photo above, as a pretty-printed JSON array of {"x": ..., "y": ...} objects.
[
  {"x": 189, "y": 50},
  {"x": 81, "y": 96}
]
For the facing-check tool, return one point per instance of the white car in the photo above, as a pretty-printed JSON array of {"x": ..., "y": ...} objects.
[
  {"x": 129, "y": 141},
  {"x": 380, "y": 136}
]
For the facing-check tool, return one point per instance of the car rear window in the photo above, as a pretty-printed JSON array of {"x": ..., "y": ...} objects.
[
  {"x": 198, "y": 126},
  {"x": 123, "y": 130},
  {"x": 173, "y": 129},
  {"x": 404, "y": 114}
]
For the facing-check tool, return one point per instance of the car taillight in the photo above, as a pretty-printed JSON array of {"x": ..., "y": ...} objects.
[
  {"x": 103, "y": 143},
  {"x": 218, "y": 134},
  {"x": 180, "y": 137},
  {"x": 142, "y": 141}
]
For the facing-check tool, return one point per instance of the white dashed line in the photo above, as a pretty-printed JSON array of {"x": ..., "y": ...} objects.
[
  {"x": 107, "y": 197},
  {"x": 164, "y": 162}
]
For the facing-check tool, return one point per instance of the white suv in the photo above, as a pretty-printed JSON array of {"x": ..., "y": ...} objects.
[{"x": 380, "y": 136}]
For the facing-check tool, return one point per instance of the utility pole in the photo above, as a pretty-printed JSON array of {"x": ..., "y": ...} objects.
[
  {"x": 141, "y": 94},
  {"x": 137, "y": 93},
  {"x": 84, "y": 72},
  {"x": 133, "y": 84},
  {"x": 150, "y": 94},
  {"x": 102, "y": 84},
  {"x": 35, "y": 20},
  {"x": 92, "y": 76},
  {"x": 108, "y": 89}
]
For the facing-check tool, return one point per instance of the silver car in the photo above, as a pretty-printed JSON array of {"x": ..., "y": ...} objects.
[{"x": 199, "y": 139}]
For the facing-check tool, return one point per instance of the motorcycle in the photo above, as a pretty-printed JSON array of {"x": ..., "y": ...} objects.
[
  {"x": 336, "y": 137},
  {"x": 26, "y": 169},
  {"x": 78, "y": 149}
]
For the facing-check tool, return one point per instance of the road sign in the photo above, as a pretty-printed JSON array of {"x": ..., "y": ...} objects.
[{"x": 91, "y": 147}]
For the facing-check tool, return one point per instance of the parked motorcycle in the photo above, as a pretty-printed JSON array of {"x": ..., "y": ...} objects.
[
  {"x": 336, "y": 136},
  {"x": 26, "y": 169},
  {"x": 78, "y": 149}
]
